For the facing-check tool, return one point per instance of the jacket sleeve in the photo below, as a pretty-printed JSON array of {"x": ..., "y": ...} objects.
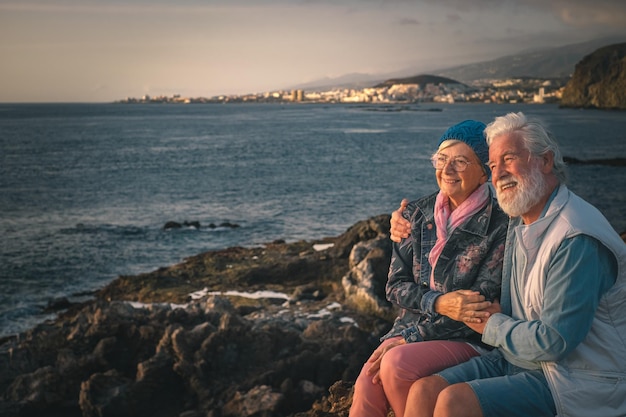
[
  {"x": 580, "y": 272},
  {"x": 489, "y": 278},
  {"x": 403, "y": 289}
]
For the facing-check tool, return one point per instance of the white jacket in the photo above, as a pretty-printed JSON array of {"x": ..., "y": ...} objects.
[{"x": 590, "y": 381}]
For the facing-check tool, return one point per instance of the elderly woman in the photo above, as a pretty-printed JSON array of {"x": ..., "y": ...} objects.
[{"x": 449, "y": 265}]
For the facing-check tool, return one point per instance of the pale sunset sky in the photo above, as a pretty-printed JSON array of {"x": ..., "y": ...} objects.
[{"x": 102, "y": 51}]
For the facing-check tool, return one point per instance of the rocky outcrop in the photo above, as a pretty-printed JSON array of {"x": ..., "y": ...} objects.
[
  {"x": 422, "y": 80},
  {"x": 613, "y": 162},
  {"x": 599, "y": 80},
  {"x": 195, "y": 224},
  {"x": 188, "y": 340}
]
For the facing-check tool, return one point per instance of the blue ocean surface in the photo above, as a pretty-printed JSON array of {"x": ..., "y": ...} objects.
[{"x": 85, "y": 189}]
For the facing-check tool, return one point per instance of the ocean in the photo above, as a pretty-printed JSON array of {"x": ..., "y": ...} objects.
[{"x": 85, "y": 189}]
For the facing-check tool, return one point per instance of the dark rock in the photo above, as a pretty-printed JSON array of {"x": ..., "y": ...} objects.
[
  {"x": 616, "y": 162},
  {"x": 195, "y": 224},
  {"x": 172, "y": 225},
  {"x": 105, "y": 394},
  {"x": 176, "y": 225},
  {"x": 599, "y": 80},
  {"x": 362, "y": 231},
  {"x": 58, "y": 304},
  {"x": 229, "y": 224},
  {"x": 224, "y": 224},
  {"x": 260, "y": 401}
]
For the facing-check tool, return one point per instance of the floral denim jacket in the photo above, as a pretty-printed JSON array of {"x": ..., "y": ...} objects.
[{"x": 471, "y": 259}]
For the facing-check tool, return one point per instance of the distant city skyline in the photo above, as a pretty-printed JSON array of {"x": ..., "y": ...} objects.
[{"x": 90, "y": 51}]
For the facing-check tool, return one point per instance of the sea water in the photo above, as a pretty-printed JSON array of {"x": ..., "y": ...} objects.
[{"x": 85, "y": 189}]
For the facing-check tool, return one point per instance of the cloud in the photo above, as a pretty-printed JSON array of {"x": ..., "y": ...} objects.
[
  {"x": 111, "y": 7},
  {"x": 405, "y": 21},
  {"x": 453, "y": 17},
  {"x": 585, "y": 14},
  {"x": 576, "y": 13}
]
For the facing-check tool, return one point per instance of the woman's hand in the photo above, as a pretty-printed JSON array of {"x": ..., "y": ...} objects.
[
  {"x": 377, "y": 356},
  {"x": 463, "y": 305},
  {"x": 400, "y": 227}
]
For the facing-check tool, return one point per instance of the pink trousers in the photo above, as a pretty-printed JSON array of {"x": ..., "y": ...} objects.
[{"x": 399, "y": 368}]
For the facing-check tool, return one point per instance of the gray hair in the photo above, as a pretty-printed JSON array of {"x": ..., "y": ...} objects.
[{"x": 537, "y": 139}]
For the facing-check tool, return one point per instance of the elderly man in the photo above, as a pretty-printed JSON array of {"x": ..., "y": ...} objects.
[{"x": 560, "y": 330}]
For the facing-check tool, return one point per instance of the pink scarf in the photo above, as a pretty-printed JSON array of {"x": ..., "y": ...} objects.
[{"x": 447, "y": 220}]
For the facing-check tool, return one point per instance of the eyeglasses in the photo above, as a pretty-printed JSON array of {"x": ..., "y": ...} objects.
[{"x": 458, "y": 164}]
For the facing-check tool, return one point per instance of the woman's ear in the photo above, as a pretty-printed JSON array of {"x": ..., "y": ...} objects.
[{"x": 484, "y": 178}]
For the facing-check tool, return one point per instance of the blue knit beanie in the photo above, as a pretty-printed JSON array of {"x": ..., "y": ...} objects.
[{"x": 470, "y": 132}]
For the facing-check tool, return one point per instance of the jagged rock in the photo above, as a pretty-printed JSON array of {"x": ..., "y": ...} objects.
[
  {"x": 196, "y": 225},
  {"x": 224, "y": 224},
  {"x": 57, "y": 304},
  {"x": 362, "y": 231},
  {"x": 105, "y": 394},
  {"x": 260, "y": 401},
  {"x": 364, "y": 284},
  {"x": 615, "y": 162},
  {"x": 172, "y": 225},
  {"x": 599, "y": 80}
]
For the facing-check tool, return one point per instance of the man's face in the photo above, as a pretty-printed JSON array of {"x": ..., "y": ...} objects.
[{"x": 516, "y": 175}]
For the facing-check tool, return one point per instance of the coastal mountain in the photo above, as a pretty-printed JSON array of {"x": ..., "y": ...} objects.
[
  {"x": 417, "y": 79},
  {"x": 353, "y": 80},
  {"x": 538, "y": 63},
  {"x": 599, "y": 80},
  {"x": 555, "y": 62}
]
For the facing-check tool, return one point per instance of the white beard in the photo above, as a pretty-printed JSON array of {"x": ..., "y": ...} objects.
[{"x": 530, "y": 190}]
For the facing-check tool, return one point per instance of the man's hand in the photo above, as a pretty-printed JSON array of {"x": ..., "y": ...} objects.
[
  {"x": 480, "y": 326},
  {"x": 377, "y": 356},
  {"x": 400, "y": 227},
  {"x": 463, "y": 305}
]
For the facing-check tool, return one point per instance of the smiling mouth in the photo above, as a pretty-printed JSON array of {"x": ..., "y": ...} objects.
[{"x": 508, "y": 185}]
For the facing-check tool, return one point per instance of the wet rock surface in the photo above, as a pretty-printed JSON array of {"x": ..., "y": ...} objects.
[{"x": 188, "y": 340}]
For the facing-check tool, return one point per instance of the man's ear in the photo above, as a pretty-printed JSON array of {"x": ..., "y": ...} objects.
[{"x": 548, "y": 162}]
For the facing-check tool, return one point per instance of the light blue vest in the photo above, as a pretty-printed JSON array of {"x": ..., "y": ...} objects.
[{"x": 590, "y": 381}]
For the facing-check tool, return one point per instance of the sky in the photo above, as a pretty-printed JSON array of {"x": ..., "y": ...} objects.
[{"x": 102, "y": 51}]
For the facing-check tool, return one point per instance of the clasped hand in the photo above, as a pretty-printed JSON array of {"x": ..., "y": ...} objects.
[{"x": 463, "y": 305}]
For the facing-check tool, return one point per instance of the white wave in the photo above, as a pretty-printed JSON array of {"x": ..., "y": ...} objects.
[
  {"x": 322, "y": 246},
  {"x": 362, "y": 130},
  {"x": 254, "y": 295}
]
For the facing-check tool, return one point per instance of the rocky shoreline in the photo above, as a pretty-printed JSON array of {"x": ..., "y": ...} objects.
[
  {"x": 196, "y": 339},
  {"x": 278, "y": 330}
]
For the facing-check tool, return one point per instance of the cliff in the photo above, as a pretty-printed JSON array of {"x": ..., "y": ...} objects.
[{"x": 599, "y": 80}]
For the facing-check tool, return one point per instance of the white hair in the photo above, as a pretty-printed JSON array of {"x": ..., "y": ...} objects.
[{"x": 537, "y": 139}]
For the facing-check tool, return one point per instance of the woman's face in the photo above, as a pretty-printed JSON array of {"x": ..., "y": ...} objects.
[{"x": 459, "y": 185}]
